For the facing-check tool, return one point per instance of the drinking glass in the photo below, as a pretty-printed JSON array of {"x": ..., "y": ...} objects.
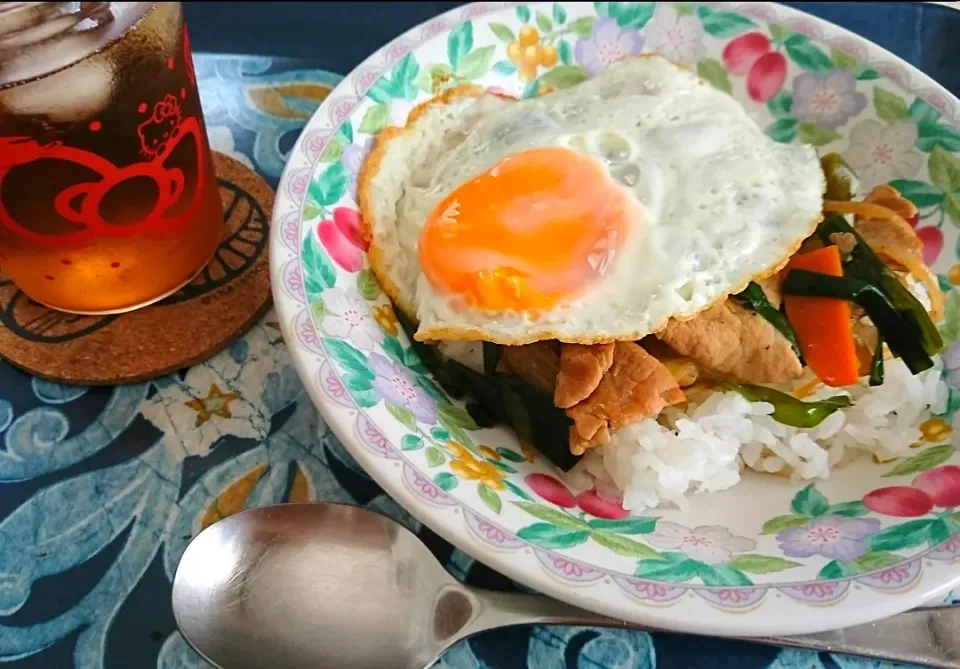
[{"x": 108, "y": 197}]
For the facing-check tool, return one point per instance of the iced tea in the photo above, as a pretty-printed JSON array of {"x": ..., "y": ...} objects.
[{"x": 108, "y": 198}]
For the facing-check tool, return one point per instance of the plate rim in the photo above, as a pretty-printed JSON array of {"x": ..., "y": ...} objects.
[{"x": 935, "y": 580}]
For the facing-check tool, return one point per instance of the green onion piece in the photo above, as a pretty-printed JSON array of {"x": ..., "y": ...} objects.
[
  {"x": 756, "y": 299},
  {"x": 841, "y": 180},
  {"x": 876, "y": 365},
  {"x": 511, "y": 401},
  {"x": 491, "y": 357},
  {"x": 898, "y": 333},
  {"x": 502, "y": 398},
  {"x": 787, "y": 409},
  {"x": 862, "y": 263}
]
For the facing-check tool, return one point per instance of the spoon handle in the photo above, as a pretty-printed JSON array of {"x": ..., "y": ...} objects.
[
  {"x": 504, "y": 609},
  {"x": 928, "y": 636}
]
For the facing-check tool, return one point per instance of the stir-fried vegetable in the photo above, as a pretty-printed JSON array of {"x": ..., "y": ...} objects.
[
  {"x": 757, "y": 300},
  {"x": 789, "y": 410},
  {"x": 870, "y": 210},
  {"x": 862, "y": 263},
  {"x": 823, "y": 325},
  {"x": 491, "y": 357},
  {"x": 501, "y": 398},
  {"x": 900, "y": 334},
  {"x": 841, "y": 180},
  {"x": 876, "y": 364}
]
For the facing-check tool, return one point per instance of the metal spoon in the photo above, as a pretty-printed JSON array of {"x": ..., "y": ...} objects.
[{"x": 325, "y": 585}]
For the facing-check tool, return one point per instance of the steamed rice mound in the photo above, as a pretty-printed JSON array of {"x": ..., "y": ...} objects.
[{"x": 706, "y": 447}]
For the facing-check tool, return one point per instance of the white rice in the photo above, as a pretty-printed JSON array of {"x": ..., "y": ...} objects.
[{"x": 705, "y": 448}]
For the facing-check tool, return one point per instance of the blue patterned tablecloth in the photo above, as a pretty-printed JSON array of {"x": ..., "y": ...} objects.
[{"x": 101, "y": 489}]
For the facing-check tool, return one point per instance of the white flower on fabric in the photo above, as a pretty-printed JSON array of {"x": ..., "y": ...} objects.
[
  {"x": 880, "y": 152},
  {"x": 221, "y": 139},
  {"x": 224, "y": 395},
  {"x": 349, "y": 318},
  {"x": 712, "y": 544}
]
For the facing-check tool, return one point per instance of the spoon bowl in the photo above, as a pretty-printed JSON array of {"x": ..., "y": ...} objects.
[{"x": 282, "y": 586}]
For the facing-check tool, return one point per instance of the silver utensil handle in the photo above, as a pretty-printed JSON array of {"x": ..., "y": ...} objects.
[{"x": 928, "y": 637}]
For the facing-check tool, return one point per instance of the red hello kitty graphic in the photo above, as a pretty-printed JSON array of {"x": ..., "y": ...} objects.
[
  {"x": 187, "y": 60},
  {"x": 81, "y": 204},
  {"x": 159, "y": 130}
]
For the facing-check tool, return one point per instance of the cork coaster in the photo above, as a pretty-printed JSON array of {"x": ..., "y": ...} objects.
[{"x": 193, "y": 324}]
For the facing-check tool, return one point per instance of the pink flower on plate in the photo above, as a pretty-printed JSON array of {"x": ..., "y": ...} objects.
[
  {"x": 951, "y": 545},
  {"x": 298, "y": 186},
  {"x": 651, "y": 589},
  {"x": 335, "y": 387},
  {"x": 569, "y": 568},
  {"x": 492, "y": 532},
  {"x": 295, "y": 282},
  {"x": 712, "y": 544},
  {"x": 291, "y": 230},
  {"x": 897, "y": 574},
  {"x": 880, "y": 152},
  {"x": 376, "y": 438},
  {"x": 316, "y": 143},
  {"x": 396, "y": 385},
  {"x": 348, "y": 317},
  {"x": 828, "y": 101},
  {"x": 342, "y": 237},
  {"x": 677, "y": 36},
  {"x": 834, "y": 537},
  {"x": 734, "y": 596},
  {"x": 818, "y": 590},
  {"x": 308, "y": 334},
  {"x": 427, "y": 488}
]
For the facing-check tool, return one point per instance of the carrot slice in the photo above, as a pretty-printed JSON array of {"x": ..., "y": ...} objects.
[{"x": 823, "y": 324}]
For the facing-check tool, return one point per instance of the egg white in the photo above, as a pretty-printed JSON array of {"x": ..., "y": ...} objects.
[{"x": 721, "y": 202}]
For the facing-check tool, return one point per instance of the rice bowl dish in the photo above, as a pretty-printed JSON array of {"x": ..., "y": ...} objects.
[{"x": 697, "y": 299}]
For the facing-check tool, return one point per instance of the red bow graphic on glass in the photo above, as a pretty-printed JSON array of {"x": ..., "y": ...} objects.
[{"x": 80, "y": 204}]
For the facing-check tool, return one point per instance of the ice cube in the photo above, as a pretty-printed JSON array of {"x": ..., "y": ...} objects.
[{"x": 78, "y": 93}]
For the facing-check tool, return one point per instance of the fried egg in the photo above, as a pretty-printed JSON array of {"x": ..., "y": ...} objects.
[{"x": 595, "y": 213}]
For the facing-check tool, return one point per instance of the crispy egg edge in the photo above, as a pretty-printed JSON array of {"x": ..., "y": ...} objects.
[{"x": 368, "y": 173}]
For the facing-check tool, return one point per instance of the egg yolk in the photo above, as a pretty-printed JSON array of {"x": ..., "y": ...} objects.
[{"x": 538, "y": 228}]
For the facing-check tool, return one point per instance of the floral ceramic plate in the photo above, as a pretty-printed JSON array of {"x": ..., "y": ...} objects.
[{"x": 765, "y": 557}]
